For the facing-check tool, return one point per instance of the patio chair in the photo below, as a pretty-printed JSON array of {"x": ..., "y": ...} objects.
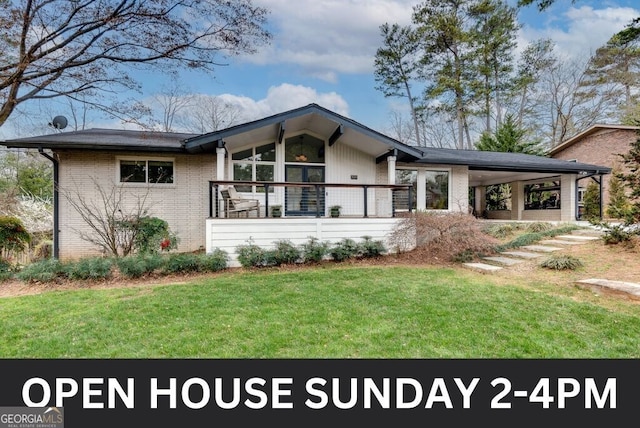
[{"x": 235, "y": 203}]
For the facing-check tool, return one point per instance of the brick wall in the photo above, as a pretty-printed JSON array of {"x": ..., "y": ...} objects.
[
  {"x": 184, "y": 205},
  {"x": 601, "y": 148}
]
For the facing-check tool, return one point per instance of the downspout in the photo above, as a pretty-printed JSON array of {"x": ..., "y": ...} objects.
[{"x": 56, "y": 220}]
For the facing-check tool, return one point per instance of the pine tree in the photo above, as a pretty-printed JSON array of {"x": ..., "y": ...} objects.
[
  {"x": 592, "y": 202},
  {"x": 618, "y": 200}
]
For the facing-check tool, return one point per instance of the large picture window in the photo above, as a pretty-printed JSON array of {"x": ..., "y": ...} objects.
[
  {"x": 146, "y": 171},
  {"x": 254, "y": 164},
  {"x": 434, "y": 185}
]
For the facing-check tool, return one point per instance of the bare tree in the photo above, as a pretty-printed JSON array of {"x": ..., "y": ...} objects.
[
  {"x": 207, "y": 113},
  {"x": 109, "y": 216},
  {"x": 55, "y": 48}
]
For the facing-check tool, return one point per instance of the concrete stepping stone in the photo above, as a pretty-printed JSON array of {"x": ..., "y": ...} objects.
[
  {"x": 584, "y": 238},
  {"x": 483, "y": 266},
  {"x": 541, "y": 248},
  {"x": 560, "y": 242},
  {"x": 522, "y": 254},
  {"x": 620, "y": 286},
  {"x": 503, "y": 260}
]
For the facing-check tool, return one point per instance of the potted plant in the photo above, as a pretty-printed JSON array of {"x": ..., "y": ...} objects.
[
  {"x": 334, "y": 210},
  {"x": 276, "y": 211}
]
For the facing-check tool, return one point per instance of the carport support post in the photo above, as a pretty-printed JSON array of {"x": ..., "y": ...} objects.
[
  {"x": 220, "y": 154},
  {"x": 567, "y": 197}
]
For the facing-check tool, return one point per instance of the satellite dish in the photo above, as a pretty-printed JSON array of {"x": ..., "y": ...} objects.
[{"x": 59, "y": 122}]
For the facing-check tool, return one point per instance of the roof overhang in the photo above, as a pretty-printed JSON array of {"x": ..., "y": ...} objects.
[
  {"x": 311, "y": 118},
  {"x": 105, "y": 139}
]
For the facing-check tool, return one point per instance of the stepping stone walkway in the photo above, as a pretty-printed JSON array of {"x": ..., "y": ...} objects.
[
  {"x": 514, "y": 257},
  {"x": 629, "y": 288}
]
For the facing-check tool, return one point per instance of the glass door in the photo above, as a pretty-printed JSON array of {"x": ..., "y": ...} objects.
[{"x": 304, "y": 201}]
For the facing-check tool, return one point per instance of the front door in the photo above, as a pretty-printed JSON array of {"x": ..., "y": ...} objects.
[{"x": 304, "y": 201}]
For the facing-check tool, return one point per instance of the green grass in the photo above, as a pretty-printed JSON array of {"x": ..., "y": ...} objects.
[{"x": 324, "y": 312}]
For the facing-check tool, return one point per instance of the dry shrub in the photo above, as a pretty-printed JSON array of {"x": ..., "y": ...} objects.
[{"x": 440, "y": 236}]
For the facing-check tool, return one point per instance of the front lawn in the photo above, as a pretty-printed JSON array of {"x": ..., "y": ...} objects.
[{"x": 326, "y": 312}]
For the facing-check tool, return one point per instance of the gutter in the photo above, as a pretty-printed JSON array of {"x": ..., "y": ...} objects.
[{"x": 56, "y": 205}]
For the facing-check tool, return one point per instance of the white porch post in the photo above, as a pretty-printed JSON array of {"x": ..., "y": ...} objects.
[
  {"x": 568, "y": 197},
  {"x": 220, "y": 153},
  {"x": 517, "y": 200},
  {"x": 391, "y": 169}
]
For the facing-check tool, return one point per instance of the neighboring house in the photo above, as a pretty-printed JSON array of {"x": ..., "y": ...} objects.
[
  {"x": 600, "y": 145},
  {"x": 305, "y": 160}
]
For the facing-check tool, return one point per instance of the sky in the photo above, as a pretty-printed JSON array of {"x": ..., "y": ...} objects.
[{"x": 323, "y": 52}]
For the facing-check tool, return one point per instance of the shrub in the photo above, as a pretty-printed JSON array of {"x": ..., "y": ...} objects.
[
  {"x": 314, "y": 251},
  {"x": 153, "y": 235},
  {"x": 531, "y": 238},
  {"x": 347, "y": 248},
  {"x": 14, "y": 238},
  {"x": 539, "y": 226},
  {"x": 90, "y": 268},
  {"x": 561, "y": 262},
  {"x": 441, "y": 236},
  {"x": 500, "y": 231},
  {"x": 370, "y": 248},
  {"x": 135, "y": 266},
  {"x": 182, "y": 263},
  {"x": 6, "y": 271},
  {"x": 616, "y": 233},
  {"x": 214, "y": 261},
  {"x": 250, "y": 255},
  {"x": 42, "y": 271},
  {"x": 285, "y": 253},
  {"x": 42, "y": 251}
]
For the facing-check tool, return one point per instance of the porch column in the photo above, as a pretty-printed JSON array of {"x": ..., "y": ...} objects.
[
  {"x": 220, "y": 153},
  {"x": 481, "y": 200},
  {"x": 391, "y": 169},
  {"x": 568, "y": 197},
  {"x": 517, "y": 200}
]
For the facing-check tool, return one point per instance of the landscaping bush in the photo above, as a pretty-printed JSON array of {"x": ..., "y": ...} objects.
[
  {"x": 42, "y": 251},
  {"x": 371, "y": 248},
  {"x": 314, "y": 251},
  {"x": 532, "y": 238},
  {"x": 501, "y": 230},
  {"x": 250, "y": 255},
  {"x": 136, "y": 266},
  {"x": 213, "y": 262},
  {"x": 90, "y": 268},
  {"x": 345, "y": 249},
  {"x": 441, "y": 236},
  {"x": 285, "y": 253},
  {"x": 42, "y": 271},
  {"x": 153, "y": 235},
  {"x": 14, "y": 238},
  {"x": 539, "y": 226},
  {"x": 561, "y": 262},
  {"x": 617, "y": 233},
  {"x": 6, "y": 271},
  {"x": 181, "y": 263}
]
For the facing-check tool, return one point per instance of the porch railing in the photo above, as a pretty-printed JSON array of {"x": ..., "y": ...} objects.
[{"x": 401, "y": 195}]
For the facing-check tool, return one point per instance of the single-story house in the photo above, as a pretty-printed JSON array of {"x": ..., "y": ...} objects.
[
  {"x": 305, "y": 161},
  {"x": 600, "y": 144}
]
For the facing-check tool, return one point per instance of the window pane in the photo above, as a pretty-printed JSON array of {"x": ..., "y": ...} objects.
[
  {"x": 406, "y": 176},
  {"x": 242, "y": 172},
  {"x": 304, "y": 148},
  {"x": 264, "y": 173},
  {"x": 266, "y": 153},
  {"x": 133, "y": 171},
  {"x": 160, "y": 172},
  {"x": 437, "y": 190},
  {"x": 245, "y": 155}
]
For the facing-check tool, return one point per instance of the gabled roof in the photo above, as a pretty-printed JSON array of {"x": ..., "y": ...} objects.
[
  {"x": 311, "y": 117},
  {"x": 500, "y": 161},
  {"x": 589, "y": 131},
  {"x": 105, "y": 139}
]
